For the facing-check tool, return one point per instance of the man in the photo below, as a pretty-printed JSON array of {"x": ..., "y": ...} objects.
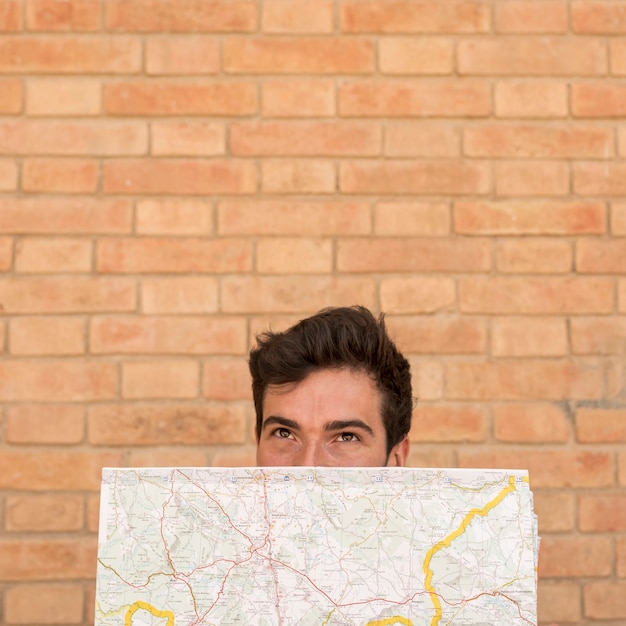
[{"x": 333, "y": 390}]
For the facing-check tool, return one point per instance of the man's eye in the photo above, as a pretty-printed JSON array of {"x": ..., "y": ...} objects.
[
  {"x": 348, "y": 437},
  {"x": 283, "y": 433}
]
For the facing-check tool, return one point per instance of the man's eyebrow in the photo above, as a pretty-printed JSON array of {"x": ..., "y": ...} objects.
[
  {"x": 280, "y": 421},
  {"x": 347, "y": 424}
]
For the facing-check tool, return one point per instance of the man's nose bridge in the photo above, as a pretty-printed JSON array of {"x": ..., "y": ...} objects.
[{"x": 312, "y": 453}]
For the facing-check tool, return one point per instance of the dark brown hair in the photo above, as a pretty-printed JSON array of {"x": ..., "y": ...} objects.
[{"x": 334, "y": 338}]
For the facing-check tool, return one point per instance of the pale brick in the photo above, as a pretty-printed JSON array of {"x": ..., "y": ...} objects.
[
  {"x": 622, "y": 468},
  {"x": 55, "y": 604},
  {"x": 532, "y": 17},
  {"x": 172, "y": 379},
  {"x": 531, "y": 423},
  {"x": 185, "y": 294},
  {"x": 532, "y": 178},
  {"x": 11, "y": 94},
  {"x": 226, "y": 379},
  {"x": 556, "y": 511},
  {"x": 559, "y": 602},
  {"x": 294, "y": 256},
  {"x": 6, "y": 253},
  {"x": 435, "y": 456},
  {"x": 293, "y": 217},
  {"x": 421, "y": 139},
  {"x": 188, "y": 139},
  {"x": 49, "y": 424},
  {"x": 599, "y": 17},
  {"x": 44, "y": 513},
  {"x": 171, "y": 424},
  {"x": 297, "y": 16},
  {"x": 601, "y": 425},
  {"x": 9, "y": 175},
  {"x": 63, "y": 97},
  {"x": 159, "y": 457},
  {"x": 522, "y": 337},
  {"x": 30, "y": 336},
  {"x": 427, "y": 378},
  {"x": 235, "y": 458},
  {"x": 417, "y": 294},
  {"x": 528, "y": 256},
  {"x": 168, "y": 335},
  {"x": 180, "y": 56},
  {"x": 421, "y": 219},
  {"x": 60, "y": 176},
  {"x": 93, "y": 512},
  {"x": 297, "y": 176},
  {"x": 618, "y": 56},
  {"x": 602, "y": 513},
  {"x": 174, "y": 217},
  {"x": 296, "y": 97},
  {"x": 416, "y": 56},
  {"x": 53, "y": 256},
  {"x": 63, "y": 15},
  {"x": 605, "y": 600},
  {"x": 620, "y": 548},
  {"x": 531, "y": 99},
  {"x": 601, "y": 256},
  {"x": 618, "y": 219},
  {"x": 598, "y": 100},
  {"x": 604, "y": 335},
  {"x": 448, "y": 423}
]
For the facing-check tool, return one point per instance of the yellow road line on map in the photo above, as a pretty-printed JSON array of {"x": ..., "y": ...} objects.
[
  {"x": 128, "y": 618},
  {"x": 389, "y": 621},
  {"x": 467, "y": 520}
]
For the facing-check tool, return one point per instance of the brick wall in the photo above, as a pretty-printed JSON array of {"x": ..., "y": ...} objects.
[{"x": 176, "y": 175}]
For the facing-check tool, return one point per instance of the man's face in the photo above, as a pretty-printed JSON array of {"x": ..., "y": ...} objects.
[{"x": 331, "y": 418}]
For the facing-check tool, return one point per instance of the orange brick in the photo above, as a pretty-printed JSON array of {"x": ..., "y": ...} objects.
[
  {"x": 172, "y": 424},
  {"x": 622, "y": 141},
  {"x": 160, "y": 379},
  {"x": 63, "y": 15},
  {"x": 524, "y": 141},
  {"x": 539, "y": 256},
  {"x": 415, "y": 177},
  {"x": 558, "y": 602},
  {"x": 427, "y": 378},
  {"x": 532, "y": 178},
  {"x": 599, "y": 336},
  {"x": 168, "y": 335},
  {"x": 180, "y": 56},
  {"x": 165, "y": 98},
  {"x": 618, "y": 56},
  {"x": 601, "y": 513},
  {"x": 73, "y": 138},
  {"x": 30, "y": 336},
  {"x": 297, "y": 56},
  {"x": 305, "y": 138},
  {"x": 599, "y": 179},
  {"x": 293, "y": 217},
  {"x": 531, "y": 99},
  {"x": 49, "y": 424},
  {"x": 620, "y": 547},
  {"x": 48, "y": 559},
  {"x": 420, "y": 219},
  {"x": 159, "y": 457},
  {"x": 174, "y": 217},
  {"x": 529, "y": 217},
  {"x": 298, "y": 16},
  {"x": 596, "y": 100},
  {"x": 601, "y": 425},
  {"x": 55, "y": 604},
  {"x": 532, "y": 17},
  {"x": 44, "y": 513},
  {"x": 298, "y": 176},
  {"x": 8, "y": 175},
  {"x": 211, "y": 16},
  {"x": 449, "y": 423},
  {"x": 226, "y": 379},
  {"x": 185, "y": 294},
  {"x": 523, "y": 380},
  {"x": 413, "y": 255},
  {"x": 556, "y": 511},
  {"x": 406, "y": 98},
  {"x": 67, "y": 295},
  {"x": 417, "y": 294},
  {"x": 298, "y": 97},
  {"x": 235, "y": 458},
  {"x": 60, "y": 176},
  {"x": 294, "y": 294},
  {"x": 622, "y": 296},
  {"x": 605, "y": 600},
  {"x": 421, "y": 139},
  {"x": 58, "y": 255},
  {"x": 440, "y": 335},
  {"x": 6, "y": 254},
  {"x": 532, "y": 56},
  {"x": 523, "y": 337},
  {"x": 49, "y": 470},
  {"x": 536, "y": 295},
  {"x": 171, "y": 255},
  {"x": 64, "y": 97},
  {"x": 57, "y": 381},
  {"x": 530, "y": 423},
  {"x": 280, "y": 255},
  {"x": 430, "y": 456},
  {"x": 601, "y": 256},
  {"x": 599, "y": 17},
  {"x": 188, "y": 139},
  {"x": 11, "y": 94},
  {"x": 408, "y": 16},
  {"x": 416, "y": 56},
  {"x": 180, "y": 177},
  {"x": 70, "y": 55},
  {"x": 93, "y": 511},
  {"x": 11, "y": 15}
]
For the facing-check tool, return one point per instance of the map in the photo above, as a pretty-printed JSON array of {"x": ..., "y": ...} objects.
[{"x": 316, "y": 546}]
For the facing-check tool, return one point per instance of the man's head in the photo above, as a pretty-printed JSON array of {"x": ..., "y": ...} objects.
[{"x": 334, "y": 382}]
